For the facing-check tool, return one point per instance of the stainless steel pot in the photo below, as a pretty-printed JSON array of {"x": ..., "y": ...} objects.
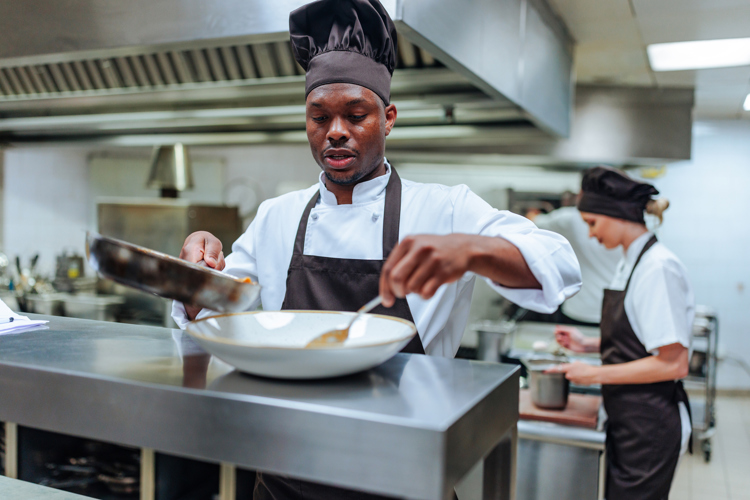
[
  {"x": 494, "y": 339},
  {"x": 548, "y": 390}
]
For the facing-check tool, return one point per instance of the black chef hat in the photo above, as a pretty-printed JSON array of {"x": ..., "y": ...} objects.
[
  {"x": 611, "y": 192},
  {"x": 345, "y": 41}
]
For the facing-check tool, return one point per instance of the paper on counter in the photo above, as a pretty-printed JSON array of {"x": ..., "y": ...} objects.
[{"x": 19, "y": 323}]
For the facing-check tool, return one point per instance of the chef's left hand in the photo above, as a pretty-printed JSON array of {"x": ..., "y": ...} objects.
[
  {"x": 422, "y": 263},
  {"x": 578, "y": 372}
]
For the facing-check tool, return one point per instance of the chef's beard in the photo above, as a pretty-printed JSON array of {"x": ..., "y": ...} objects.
[
  {"x": 348, "y": 181},
  {"x": 352, "y": 179}
]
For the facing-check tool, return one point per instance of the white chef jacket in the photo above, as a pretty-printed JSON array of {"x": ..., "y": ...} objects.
[
  {"x": 597, "y": 263},
  {"x": 659, "y": 304},
  {"x": 355, "y": 231}
]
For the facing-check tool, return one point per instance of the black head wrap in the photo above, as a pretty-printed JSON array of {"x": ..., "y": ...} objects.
[
  {"x": 607, "y": 191},
  {"x": 345, "y": 41}
]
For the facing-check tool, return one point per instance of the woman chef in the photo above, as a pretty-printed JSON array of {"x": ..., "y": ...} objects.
[{"x": 647, "y": 316}]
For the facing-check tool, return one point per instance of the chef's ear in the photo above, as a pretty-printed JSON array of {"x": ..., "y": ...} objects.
[{"x": 390, "y": 117}]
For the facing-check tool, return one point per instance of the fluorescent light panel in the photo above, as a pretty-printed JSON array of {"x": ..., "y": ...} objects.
[
  {"x": 747, "y": 103},
  {"x": 699, "y": 55}
]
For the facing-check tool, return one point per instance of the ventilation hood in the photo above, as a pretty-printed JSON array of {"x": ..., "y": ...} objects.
[
  {"x": 228, "y": 66},
  {"x": 473, "y": 76}
]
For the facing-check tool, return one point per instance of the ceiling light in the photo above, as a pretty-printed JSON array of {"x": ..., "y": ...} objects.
[
  {"x": 699, "y": 55},
  {"x": 747, "y": 103}
]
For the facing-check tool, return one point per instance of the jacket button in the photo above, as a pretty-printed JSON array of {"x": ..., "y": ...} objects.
[
  {"x": 314, "y": 216},
  {"x": 375, "y": 217}
]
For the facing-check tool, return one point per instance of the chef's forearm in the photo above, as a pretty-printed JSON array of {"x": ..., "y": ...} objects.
[
  {"x": 647, "y": 370},
  {"x": 502, "y": 262}
]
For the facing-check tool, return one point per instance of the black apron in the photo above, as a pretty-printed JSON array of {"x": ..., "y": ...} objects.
[
  {"x": 330, "y": 284},
  {"x": 644, "y": 430}
]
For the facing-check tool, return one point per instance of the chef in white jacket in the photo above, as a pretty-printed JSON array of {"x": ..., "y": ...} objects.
[
  {"x": 647, "y": 317},
  {"x": 362, "y": 231}
]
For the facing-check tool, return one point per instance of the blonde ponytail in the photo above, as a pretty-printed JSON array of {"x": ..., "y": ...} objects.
[{"x": 657, "y": 208}]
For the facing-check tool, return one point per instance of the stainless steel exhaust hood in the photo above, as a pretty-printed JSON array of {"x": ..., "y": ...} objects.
[
  {"x": 474, "y": 77},
  {"x": 71, "y": 58}
]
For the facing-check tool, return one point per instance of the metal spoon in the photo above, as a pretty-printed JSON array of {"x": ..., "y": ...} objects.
[{"x": 339, "y": 335}]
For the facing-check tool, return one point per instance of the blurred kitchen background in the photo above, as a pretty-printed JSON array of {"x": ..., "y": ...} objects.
[{"x": 515, "y": 110}]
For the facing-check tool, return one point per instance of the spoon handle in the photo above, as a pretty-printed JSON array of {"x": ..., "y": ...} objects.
[
  {"x": 371, "y": 305},
  {"x": 365, "y": 308}
]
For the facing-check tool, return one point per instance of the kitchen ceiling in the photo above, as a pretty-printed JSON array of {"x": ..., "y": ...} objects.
[{"x": 612, "y": 36}]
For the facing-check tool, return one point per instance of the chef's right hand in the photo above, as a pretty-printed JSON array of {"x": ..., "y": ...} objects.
[
  {"x": 571, "y": 338},
  {"x": 203, "y": 246}
]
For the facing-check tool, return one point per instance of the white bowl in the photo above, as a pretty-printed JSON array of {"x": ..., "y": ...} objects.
[{"x": 272, "y": 344}]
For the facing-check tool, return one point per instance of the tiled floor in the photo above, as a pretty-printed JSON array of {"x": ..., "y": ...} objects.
[{"x": 727, "y": 475}]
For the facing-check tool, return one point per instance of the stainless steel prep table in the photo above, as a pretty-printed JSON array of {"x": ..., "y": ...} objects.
[{"x": 412, "y": 427}]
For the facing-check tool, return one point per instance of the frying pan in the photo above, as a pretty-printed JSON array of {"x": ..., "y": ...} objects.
[{"x": 169, "y": 277}]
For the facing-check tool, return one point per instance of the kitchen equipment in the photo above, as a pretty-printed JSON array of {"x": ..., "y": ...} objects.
[
  {"x": 582, "y": 410},
  {"x": 167, "y": 276},
  {"x": 161, "y": 225},
  {"x": 494, "y": 339},
  {"x": 548, "y": 390},
  {"x": 339, "y": 335},
  {"x": 97, "y": 307},
  {"x": 273, "y": 344},
  {"x": 50, "y": 304}
]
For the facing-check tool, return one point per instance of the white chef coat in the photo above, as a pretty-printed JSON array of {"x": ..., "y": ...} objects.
[
  {"x": 597, "y": 263},
  {"x": 355, "y": 231},
  {"x": 659, "y": 304}
]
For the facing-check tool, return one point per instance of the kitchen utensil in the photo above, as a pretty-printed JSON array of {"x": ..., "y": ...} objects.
[
  {"x": 273, "y": 343},
  {"x": 167, "y": 276},
  {"x": 548, "y": 390},
  {"x": 339, "y": 335},
  {"x": 494, "y": 339}
]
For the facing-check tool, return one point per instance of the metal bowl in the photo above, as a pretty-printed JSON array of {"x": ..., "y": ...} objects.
[
  {"x": 167, "y": 276},
  {"x": 548, "y": 390}
]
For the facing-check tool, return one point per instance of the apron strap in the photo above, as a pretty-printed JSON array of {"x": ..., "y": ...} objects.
[
  {"x": 651, "y": 242},
  {"x": 392, "y": 214},
  {"x": 391, "y": 217},
  {"x": 299, "y": 242}
]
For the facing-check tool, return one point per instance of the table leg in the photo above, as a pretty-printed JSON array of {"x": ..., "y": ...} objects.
[
  {"x": 148, "y": 474},
  {"x": 11, "y": 450},
  {"x": 499, "y": 481}
]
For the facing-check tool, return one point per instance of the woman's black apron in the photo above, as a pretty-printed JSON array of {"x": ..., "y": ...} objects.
[
  {"x": 644, "y": 431},
  {"x": 330, "y": 284}
]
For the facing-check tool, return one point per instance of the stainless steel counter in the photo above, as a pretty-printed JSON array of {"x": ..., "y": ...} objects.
[{"x": 411, "y": 427}]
